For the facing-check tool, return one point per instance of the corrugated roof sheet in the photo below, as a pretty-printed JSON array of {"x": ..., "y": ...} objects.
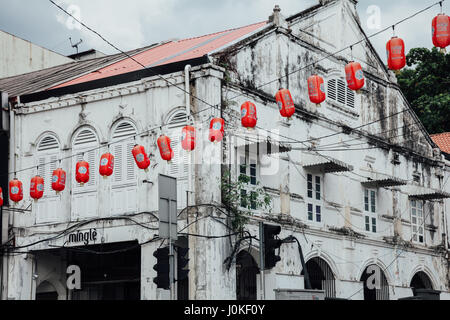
[
  {"x": 388, "y": 181},
  {"x": 442, "y": 140},
  {"x": 169, "y": 52},
  {"x": 430, "y": 195},
  {"x": 46, "y": 78},
  {"x": 327, "y": 165}
]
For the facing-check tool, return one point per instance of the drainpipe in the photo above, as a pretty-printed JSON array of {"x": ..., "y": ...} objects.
[
  {"x": 12, "y": 167},
  {"x": 187, "y": 90},
  {"x": 191, "y": 240}
]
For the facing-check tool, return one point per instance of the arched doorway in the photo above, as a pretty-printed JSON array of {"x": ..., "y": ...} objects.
[
  {"x": 246, "y": 271},
  {"x": 421, "y": 281},
  {"x": 321, "y": 276},
  {"x": 46, "y": 291},
  {"x": 371, "y": 292}
]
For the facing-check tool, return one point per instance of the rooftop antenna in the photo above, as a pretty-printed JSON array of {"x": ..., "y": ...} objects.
[{"x": 76, "y": 44}]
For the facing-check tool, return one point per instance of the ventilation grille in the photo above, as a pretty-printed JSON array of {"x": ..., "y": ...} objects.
[
  {"x": 339, "y": 92},
  {"x": 85, "y": 137},
  {"x": 48, "y": 143},
  {"x": 350, "y": 98},
  {"x": 124, "y": 129},
  {"x": 332, "y": 89},
  {"x": 179, "y": 119}
]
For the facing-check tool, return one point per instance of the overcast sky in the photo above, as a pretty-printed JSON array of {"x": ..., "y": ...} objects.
[{"x": 135, "y": 23}]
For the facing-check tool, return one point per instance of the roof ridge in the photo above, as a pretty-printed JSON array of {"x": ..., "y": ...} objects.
[{"x": 227, "y": 30}]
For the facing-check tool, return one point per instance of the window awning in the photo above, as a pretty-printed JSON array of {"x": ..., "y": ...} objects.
[
  {"x": 316, "y": 163},
  {"x": 429, "y": 194},
  {"x": 258, "y": 143},
  {"x": 385, "y": 181}
]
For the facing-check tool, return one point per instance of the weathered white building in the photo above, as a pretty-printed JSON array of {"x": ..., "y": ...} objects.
[
  {"x": 18, "y": 56},
  {"x": 357, "y": 181}
]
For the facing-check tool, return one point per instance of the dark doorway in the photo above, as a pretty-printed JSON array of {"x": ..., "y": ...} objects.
[
  {"x": 321, "y": 276},
  {"x": 108, "y": 271},
  {"x": 246, "y": 271},
  {"x": 375, "y": 294},
  {"x": 421, "y": 281}
]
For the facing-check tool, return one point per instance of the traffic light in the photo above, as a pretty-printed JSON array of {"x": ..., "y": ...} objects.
[
  {"x": 162, "y": 268},
  {"x": 270, "y": 244},
  {"x": 182, "y": 261}
]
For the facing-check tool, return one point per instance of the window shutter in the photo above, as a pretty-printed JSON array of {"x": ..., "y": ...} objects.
[
  {"x": 53, "y": 159},
  {"x": 332, "y": 89},
  {"x": 174, "y": 167},
  {"x": 341, "y": 91},
  {"x": 179, "y": 166},
  {"x": 130, "y": 164},
  {"x": 91, "y": 158},
  {"x": 118, "y": 159},
  {"x": 350, "y": 98},
  {"x": 124, "y": 167},
  {"x": 47, "y": 157}
]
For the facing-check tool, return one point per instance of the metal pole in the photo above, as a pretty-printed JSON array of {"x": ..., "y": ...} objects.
[
  {"x": 171, "y": 257},
  {"x": 261, "y": 260}
]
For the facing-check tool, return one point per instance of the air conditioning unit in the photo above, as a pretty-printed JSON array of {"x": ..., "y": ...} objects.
[{"x": 296, "y": 294}]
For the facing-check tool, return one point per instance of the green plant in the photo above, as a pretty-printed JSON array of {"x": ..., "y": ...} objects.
[
  {"x": 241, "y": 200},
  {"x": 426, "y": 85}
]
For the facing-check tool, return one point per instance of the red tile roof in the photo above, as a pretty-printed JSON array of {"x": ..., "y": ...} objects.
[
  {"x": 442, "y": 140},
  {"x": 169, "y": 52}
]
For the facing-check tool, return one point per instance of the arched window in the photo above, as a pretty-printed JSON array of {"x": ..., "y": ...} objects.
[
  {"x": 375, "y": 284},
  {"x": 340, "y": 92},
  {"x": 47, "y": 156},
  {"x": 123, "y": 192},
  {"x": 85, "y": 147},
  {"x": 179, "y": 166},
  {"x": 124, "y": 166},
  {"x": 321, "y": 276}
]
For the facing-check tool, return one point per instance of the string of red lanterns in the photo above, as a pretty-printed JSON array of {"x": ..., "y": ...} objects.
[{"x": 396, "y": 59}]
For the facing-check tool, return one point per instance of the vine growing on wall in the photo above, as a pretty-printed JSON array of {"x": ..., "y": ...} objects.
[{"x": 242, "y": 200}]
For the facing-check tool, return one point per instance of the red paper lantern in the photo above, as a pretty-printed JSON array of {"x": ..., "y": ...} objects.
[
  {"x": 37, "y": 187},
  {"x": 15, "y": 190},
  {"x": 395, "y": 49},
  {"x": 59, "y": 180},
  {"x": 216, "y": 130},
  {"x": 316, "y": 89},
  {"x": 248, "y": 115},
  {"x": 285, "y": 103},
  {"x": 188, "y": 138},
  {"x": 354, "y": 76},
  {"x": 140, "y": 157},
  {"x": 106, "y": 165},
  {"x": 164, "y": 148},
  {"x": 441, "y": 31},
  {"x": 82, "y": 172},
  {"x": 1, "y": 197}
]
